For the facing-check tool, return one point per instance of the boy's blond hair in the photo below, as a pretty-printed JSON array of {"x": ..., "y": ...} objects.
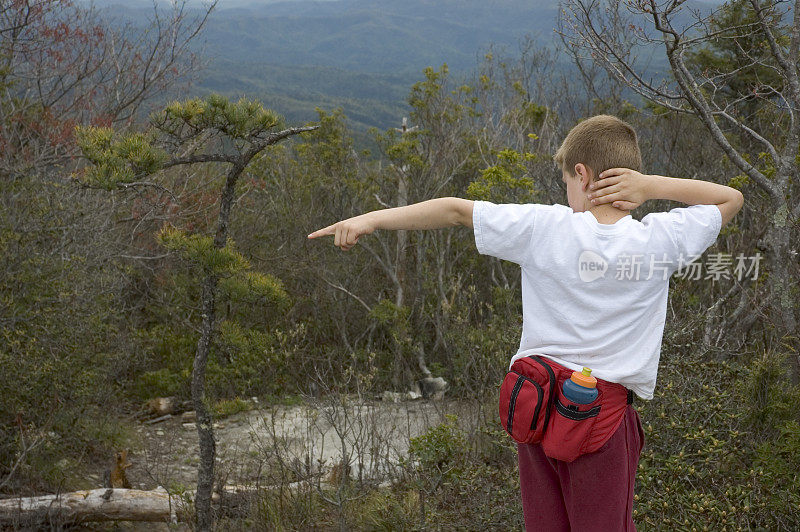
[{"x": 600, "y": 142}]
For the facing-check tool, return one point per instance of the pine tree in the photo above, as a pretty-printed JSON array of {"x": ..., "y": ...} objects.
[{"x": 195, "y": 131}]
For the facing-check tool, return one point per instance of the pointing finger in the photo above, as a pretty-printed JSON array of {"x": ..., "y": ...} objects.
[{"x": 323, "y": 232}]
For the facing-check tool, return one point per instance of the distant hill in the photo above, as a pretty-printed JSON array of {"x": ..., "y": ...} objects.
[
  {"x": 368, "y": 100},
  {"x": 375, "y": 35},
  {"x": 362, "y": 35},
  {"x": 361, "y": 55}
]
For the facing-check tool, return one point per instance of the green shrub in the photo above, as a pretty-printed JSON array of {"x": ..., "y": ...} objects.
[
  {"x": 440, "y": 449},
  {"x": 779, "y": 460},
  {"x": 228, "y": 407},
  {"x": 709, "y": 460},
  {"x": 159, "y": 383},
  {"x": 770, "y": 398}
]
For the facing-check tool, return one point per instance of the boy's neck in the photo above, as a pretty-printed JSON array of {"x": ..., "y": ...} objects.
[{"x": 608, "y": 214}]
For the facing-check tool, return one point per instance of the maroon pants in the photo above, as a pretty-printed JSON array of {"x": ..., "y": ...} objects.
[{"x": 593, "y": 492}]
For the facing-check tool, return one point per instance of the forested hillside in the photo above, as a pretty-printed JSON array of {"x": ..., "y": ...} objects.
[
  {"x": 370, "y": 36},
  {"x": 158, "y": 280},
  {"x": 359, "y": 55},
  {"x": 366, "y": 36},
  {"x": 356, "y": 54}
]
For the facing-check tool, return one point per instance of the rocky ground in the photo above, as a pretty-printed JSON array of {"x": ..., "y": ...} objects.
[
  {"x": 304, "y": 438},
  {"x": 281, "y": 444}
]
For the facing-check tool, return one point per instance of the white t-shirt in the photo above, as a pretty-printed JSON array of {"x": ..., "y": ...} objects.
[{"x": 595, "y": 294}]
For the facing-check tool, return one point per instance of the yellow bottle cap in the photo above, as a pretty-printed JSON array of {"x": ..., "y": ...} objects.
[{"x": 584, "y": 378}]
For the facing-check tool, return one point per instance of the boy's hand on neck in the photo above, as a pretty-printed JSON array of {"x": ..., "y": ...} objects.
[
  {"x": 627, "y": 189},
  {"x": 624, "y": 188}
]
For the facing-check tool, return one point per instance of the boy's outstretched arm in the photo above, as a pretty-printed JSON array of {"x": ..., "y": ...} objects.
[
  {"x": 431, "y": 214},
  {"x": 627, "y": 189}
]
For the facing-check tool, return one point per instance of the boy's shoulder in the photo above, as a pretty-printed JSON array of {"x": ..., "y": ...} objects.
[
  {"x": 508, "y": 213},
  {"x": 520, "y": 209},
  {"x": 507, "y": 230},
  {"x": 532, "y": 205},
  {"x": 690, "y": 230},
  {"x": 677, "y": 216},
  {"x": 699, "y": 214}
]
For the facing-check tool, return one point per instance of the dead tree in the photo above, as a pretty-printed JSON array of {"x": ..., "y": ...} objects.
[{"x": 748, "y": 98}]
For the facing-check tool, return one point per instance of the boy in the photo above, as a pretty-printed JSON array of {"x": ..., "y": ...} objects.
[{"x": 594, "y": 293}]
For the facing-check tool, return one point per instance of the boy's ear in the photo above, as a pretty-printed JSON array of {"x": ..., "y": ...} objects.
[{"x": 584, "y": 173}]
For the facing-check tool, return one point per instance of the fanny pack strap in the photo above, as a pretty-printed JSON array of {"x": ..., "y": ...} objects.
[{"x": 630, "y": 397}]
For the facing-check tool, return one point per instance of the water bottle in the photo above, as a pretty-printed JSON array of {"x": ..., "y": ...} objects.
[{"x": 581, "y": 388}]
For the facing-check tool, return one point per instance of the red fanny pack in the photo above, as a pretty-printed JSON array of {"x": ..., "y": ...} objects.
[{"x": 533, "y": 409}]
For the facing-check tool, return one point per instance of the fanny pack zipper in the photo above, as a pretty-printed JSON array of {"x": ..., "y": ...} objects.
[{"x": 513, "y": 401}]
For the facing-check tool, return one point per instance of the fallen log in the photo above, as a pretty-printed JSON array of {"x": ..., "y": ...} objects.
[
  {"x": 104, "y": 504},
  {"x": 119, "y": 504},
  {"x": 158, "y": 419}
]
